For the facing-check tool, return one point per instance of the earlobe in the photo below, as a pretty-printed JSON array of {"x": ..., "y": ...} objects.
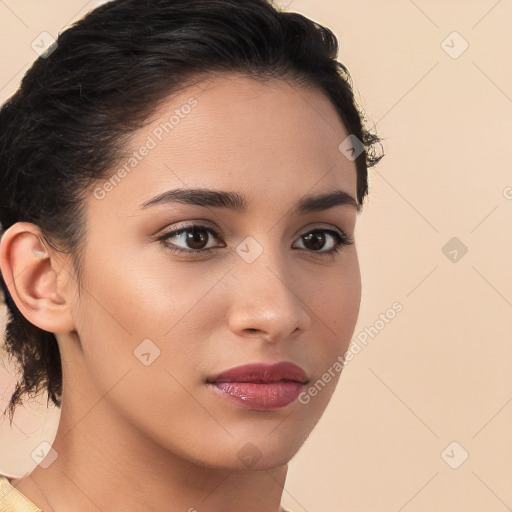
[{"x": 31, "y": 276}]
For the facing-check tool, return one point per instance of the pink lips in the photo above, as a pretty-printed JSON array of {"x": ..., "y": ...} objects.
[{"x": 260, "y": 386}]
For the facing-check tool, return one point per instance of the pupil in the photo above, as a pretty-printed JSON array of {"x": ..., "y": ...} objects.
[{"x": 317, "y": 238}]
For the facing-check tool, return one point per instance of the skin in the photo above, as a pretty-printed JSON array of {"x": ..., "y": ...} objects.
[{"x": 168, "y": 439}]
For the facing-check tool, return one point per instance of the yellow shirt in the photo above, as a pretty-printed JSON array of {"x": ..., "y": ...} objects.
[{"x": 11, "y": 500}]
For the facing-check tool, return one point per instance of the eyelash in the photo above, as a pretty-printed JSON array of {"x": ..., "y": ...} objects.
[{"x": 342, "y": 239}]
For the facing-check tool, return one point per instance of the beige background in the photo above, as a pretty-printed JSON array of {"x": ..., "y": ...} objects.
[{"x": 439, "y": 372}]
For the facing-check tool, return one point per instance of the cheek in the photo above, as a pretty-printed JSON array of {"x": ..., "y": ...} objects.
[
  {"x": 142, "y": 340},
  {"x": 336, "y": 297},
  {"x": 337, "y": 311},
  {"x": 145, "y": 298},
  {"x": 126, "y": 302},
  {"x": 344, "y": 309},
  {"x": 335, "y": 305}
]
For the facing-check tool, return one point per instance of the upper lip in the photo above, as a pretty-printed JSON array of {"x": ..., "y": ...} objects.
[{"x": 261, "y": 372}]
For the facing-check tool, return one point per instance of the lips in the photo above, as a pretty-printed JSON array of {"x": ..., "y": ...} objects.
[
  {"x": 259, "y": 386},
  {"x": 262, "y": 373}
]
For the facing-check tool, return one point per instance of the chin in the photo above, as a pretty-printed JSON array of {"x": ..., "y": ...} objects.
[
  {"x": 262, "y": 451},
  {"x": 248, "y": 453}
]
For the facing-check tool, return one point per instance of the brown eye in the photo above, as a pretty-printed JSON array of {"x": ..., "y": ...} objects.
[
  {"x": 316, "y": 240},
  {"x": 196, "y": 238},
  {"x": 193, "y": 239}
]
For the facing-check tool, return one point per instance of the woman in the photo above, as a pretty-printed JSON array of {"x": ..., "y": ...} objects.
[{"x": 180, "y": 182}]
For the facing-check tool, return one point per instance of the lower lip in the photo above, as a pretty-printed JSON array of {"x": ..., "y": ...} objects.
[{"x": 260, "y": 396}]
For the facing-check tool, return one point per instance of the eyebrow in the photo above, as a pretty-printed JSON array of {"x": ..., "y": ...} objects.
[{"x": 234, "y": 201}]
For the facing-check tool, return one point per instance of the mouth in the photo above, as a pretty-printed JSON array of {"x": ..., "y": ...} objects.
[{"x": 260, "y": 386}]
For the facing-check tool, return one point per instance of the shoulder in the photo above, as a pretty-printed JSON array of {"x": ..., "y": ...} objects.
[{"x": 12, "y": 500}]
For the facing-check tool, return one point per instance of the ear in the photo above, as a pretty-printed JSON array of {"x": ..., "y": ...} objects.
[{"x": 31, "y": 275}]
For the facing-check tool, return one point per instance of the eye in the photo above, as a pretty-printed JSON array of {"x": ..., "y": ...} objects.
[
  {"x": 316, "y": 239},
  {"x": 194, "y": 237}
]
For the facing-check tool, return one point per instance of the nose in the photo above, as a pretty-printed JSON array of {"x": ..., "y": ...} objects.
[{"x": 266, "y": 301}]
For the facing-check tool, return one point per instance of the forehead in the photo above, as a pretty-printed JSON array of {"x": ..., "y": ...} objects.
[
  {"x": 236, "y": 133},
  {"x": 237, "y": 109}
]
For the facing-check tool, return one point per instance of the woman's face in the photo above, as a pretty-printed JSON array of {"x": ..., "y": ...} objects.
[{"x": 154, "y": 324}]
